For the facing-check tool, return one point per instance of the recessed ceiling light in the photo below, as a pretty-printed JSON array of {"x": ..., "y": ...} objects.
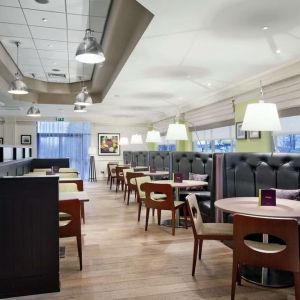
[
  {"x": 42, "y": 1},
  {"x": 209, "y": 84},
  {"x": 50, "y": 45},
  {"x": 44, "y": 20},
  {"x": 278, "y": 51},
  {"x": 265, "y": 28},
  {"x": 55, "y": 70}
]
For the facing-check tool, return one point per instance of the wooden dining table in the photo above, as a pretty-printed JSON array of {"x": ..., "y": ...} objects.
[{"x": 249, "y": 205}]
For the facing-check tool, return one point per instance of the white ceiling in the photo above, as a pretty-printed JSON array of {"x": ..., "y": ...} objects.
[
  {"x": 50, "y": 44},
  {"x": 190, "y": 51}
]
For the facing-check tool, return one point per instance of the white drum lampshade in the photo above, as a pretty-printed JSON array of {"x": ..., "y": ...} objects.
[
  {"x": 124, "y": 140},
  {"x": 136, "y": 139},
  {"x": 92, "y": 151},
  {"x": 153, "y": 136},
  {"x": 261, "y": 116},
  {"x": 177, "y": 132}
]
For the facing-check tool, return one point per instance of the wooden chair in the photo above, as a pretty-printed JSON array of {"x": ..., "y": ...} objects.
[
  {"x": 110, "y": 167},
  {"x": 68, "y": 175},
  {"x": 73, "y": 227},
  {"x": 275, "y": 256},
  {"x": 125, "y": 180},
  {"x": 120, "y": 177},
  {"x": 131, "y": 183},
  {"x": 112, "y": 174},
  {"x": 205, "y": 231},
  {"x": 166, "y": 203},
  {"x": 141, "y": 196}
]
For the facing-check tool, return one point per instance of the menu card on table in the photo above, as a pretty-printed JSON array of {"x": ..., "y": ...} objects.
[
  {"x": 152, "y": 169},
  {"x": 178, "y": 177},
  {"x": 267, "y": 198},
  {"x": 55, "y": 169}
]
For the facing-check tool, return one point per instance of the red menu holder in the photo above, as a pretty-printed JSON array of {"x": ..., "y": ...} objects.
[
  {"x": 267, "y": 198},
  {"x": 178, "y": 177}
]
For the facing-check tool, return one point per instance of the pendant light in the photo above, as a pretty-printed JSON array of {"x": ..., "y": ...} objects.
[
  {"x": 176, "y": 131},
  {"x": 79, "y": 109},
  {"x": 153, "y": 136},
  {"x": 136, "y": 139},
  {"x": 261, "y": 116},
  {"x": 18, "y": 87},
  {"x": 89, "y": 51},
  {"x": 124, "y": 141},
  {"x": 83, "y": 98},
  {"x": 33, "y": 111}
]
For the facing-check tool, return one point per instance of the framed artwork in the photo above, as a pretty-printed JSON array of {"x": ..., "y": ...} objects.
[
  {"x": 254, "y": 134},
  {"x": 108, "y": 144},
  {"x": 26, "y": 139},
  {"x": 1, "y": 141},
  {"x": 239, "y": 133}
]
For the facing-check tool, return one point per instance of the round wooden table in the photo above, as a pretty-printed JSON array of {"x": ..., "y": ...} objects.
[
  {"x": 156, "y": 173},
  {"x": 178, "y": 186},
  {"x": 249, "y": 205}
]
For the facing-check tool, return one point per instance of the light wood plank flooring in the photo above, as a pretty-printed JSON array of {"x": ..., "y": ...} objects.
[{"x": 122, "y": 261}]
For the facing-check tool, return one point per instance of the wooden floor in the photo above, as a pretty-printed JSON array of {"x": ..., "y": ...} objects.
[{"x": 122, "y": 261}]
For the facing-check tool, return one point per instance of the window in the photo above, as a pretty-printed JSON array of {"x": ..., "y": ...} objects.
[
  {"x": 65, "y": 139},
  {"x": 165, "y": 146}
]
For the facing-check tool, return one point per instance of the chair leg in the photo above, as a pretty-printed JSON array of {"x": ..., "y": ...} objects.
[
  {"x": 195, "y": 256},
  {"x": 153, "y": 211},
  {"x": 185, "y": 217},
  {"x": 82, "y": 212},
  {"x": 233, "y": 279},
  {"x": 297, "y": 285},
  {"x": 239, "y": 274},
  {"x": 125, "y": 191},
  {"x": 117, "y": 185},
  {"x": 158, "y": 216},
  {"x": 111, "y": 181},
  {"x": 79, "y": 247},
  {"x": 173, "y": 221},
  {"x": 108, "y": 179},
  {"x": 200, "y": 248},
  {"x": 147, "y": 218},
  {"x": 139, "y": 210},
  {"x": 128, "y": 195}
]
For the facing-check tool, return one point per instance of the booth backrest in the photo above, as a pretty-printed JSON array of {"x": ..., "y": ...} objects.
[
  {"x": 127, "y": 157},
  {"x": 246, "y": 173},
  {"x": 44, "y": 163},
  {"x": 161, "y": 160},
  {"x": 194, "y": 162},
  {"x": 141, "y": 158}
]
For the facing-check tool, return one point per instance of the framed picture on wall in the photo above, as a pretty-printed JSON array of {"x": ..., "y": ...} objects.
[
  {"x": 26, "y": 139},
  {"x": 254, "y": 134},
  {"x": 239, "y": 133},
  {"x": 1, "y": 141},
  {"x": 108, "y": 144}
]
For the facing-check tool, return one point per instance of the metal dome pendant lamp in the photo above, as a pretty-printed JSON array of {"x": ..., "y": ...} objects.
[
  {"x": 33, "y": 111},
  {"x": 17, "y": 86},
  {"x": 89, "y": 51},
  {"x": 83, "y": 98}
]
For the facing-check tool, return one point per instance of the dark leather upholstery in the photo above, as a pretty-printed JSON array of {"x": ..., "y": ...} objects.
[
  {"x": 141, "y": 158},
  {"x": 127, "y": 157},
  {"x": 199, "y": 163},
  {"x": 44, "y": 163},
  {"x": 161, "y": 160}
]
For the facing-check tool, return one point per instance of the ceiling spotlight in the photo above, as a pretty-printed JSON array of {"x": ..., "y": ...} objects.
[
  {"x": 42, "y": 1},
  {"x": 79, "y": 109},
  {"x": 44, "y": 20},
  {"x": 17, "y": 86},
  {"x": 278, "y": 51},
  {"x": 265, "y": 28},
  {"x": 50, "y": 46},
  {"x": 55, "y": 70},
  {"x": 209, "y": 84},
  {"x": 33, "y": 111}
]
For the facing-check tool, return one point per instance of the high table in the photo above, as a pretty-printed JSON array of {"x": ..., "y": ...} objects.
[
  {"x": 178, "y": 186},
  {"x": 249, "y": 205}
]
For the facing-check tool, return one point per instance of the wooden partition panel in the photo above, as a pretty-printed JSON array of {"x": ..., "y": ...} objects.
[{"x": 29, "y": 239}]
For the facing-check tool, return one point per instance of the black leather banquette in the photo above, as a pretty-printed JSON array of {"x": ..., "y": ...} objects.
[
  {"x": 141, "y": 158},
  {"x": 127, "y": 157},
  {"x": 45, "y": 163},
  {"x": 199, "y": 163},
  {"x": 161, "y": 160}
]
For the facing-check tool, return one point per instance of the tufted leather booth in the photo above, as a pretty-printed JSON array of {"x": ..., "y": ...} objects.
[
  {"x": 141, "y": 158},
  {"x": 161, "y": 160},
  {"x": 127, "y": 157},
  {"x": 200, "y": 163}
]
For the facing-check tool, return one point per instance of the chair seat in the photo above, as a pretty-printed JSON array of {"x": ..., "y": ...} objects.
[
  {"x": 216, "y": 229},
  {"x": 178, "y": 203},
  {"x": 265, "y": 248}
]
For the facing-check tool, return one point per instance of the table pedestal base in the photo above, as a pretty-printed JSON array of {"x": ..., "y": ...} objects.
[
  {"x": 268, "y": 277},
  {"x": 179, "y": 224}
]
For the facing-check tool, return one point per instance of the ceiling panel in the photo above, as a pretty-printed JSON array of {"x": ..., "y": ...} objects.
[
  {"x": 98, "y": 7},
  {"x": 78, "y": 22},
  {"x": 53, "y": 54},
  {"x": 72, "y": 47},
  {"x": 14, "y": 30},
  {"x": 45, "y": 19},
  {"x": 53, "y": 5},
  {"x": 10, "y": 42},
  {"x": 14, "y": 3},
  {"x": 55, "y": 63},
  {"x": 11, "y": 15},
  {"x": 52, "y": 34},
  {"x": 51, "y": 45}
]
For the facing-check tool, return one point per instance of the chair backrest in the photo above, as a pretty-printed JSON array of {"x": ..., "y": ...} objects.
[
  {"x": 130, "y": 178},
  {"x": 119, "y": 172},
  {"x": 139, "y": 181},
  {"x": 151, "y": 188},
  {"x": 72, "y": 208},
  {"x": 195, "y": 214},
  {"x": 282, "y": 258},
  {"x": 67, "y": 187},
  {"x": 67, "y": 170},
  {"x": 111, "y": 168},
  {"x": 125, "y": 171}
]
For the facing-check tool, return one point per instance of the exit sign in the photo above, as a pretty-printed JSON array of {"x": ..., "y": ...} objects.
[{"x": 59, "y": 119}]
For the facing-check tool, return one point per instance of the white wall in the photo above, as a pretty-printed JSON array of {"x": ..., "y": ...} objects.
[{"x": 101, "y": 161}]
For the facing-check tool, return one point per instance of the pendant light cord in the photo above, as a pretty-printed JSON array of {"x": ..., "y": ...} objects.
[
  {"x": 89, "y": 14},
  {"x": 261, "y": 89}
]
